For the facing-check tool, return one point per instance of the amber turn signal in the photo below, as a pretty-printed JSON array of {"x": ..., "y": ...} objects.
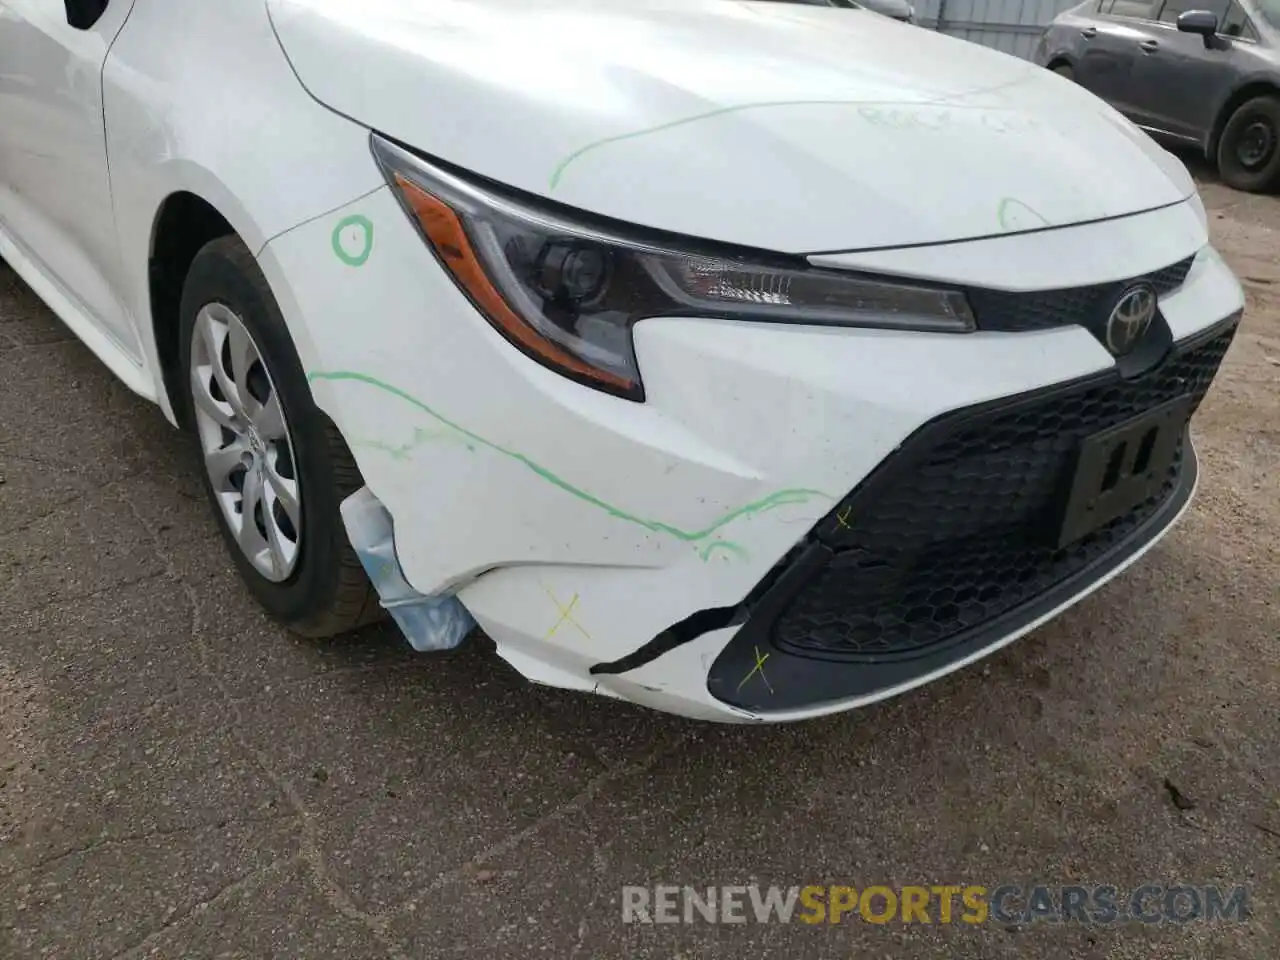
[{"x": 447, "y": 235}]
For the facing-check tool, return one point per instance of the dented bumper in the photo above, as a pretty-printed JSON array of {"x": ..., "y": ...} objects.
[{"x": 583, "y": 532}]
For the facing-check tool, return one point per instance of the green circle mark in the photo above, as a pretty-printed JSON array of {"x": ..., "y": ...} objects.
[{"x": 366, "y": 233}]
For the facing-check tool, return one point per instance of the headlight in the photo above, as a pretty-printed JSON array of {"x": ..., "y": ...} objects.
[{"x": 566, "y": 287}]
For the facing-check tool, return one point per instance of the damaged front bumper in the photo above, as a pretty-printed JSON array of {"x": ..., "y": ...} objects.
[
  {"x": 948, "y": 551},
  {"x": 620, "y": 548}
]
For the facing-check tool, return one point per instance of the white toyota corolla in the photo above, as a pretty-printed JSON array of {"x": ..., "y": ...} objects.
[{"x": 748, "y": 360}]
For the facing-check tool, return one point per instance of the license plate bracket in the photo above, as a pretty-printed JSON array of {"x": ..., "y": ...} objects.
[{"x": 1118, "y": 468}]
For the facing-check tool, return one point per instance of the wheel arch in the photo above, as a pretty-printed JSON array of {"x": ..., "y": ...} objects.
[
  {"x": 1256, "y": 87},
  {"x": 188, "y": 207},
  {"x": 183, "y": 223},
  {"x": 192, "y": 209}
]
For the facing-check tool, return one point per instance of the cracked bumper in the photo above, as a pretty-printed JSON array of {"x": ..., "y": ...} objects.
[{"x": 577, "y": 527}]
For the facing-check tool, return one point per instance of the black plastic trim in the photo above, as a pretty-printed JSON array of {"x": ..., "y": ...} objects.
[
  {"x": 785, "y": 681},
  {"x": 678, "y": 634},
  {"x": 83, "y": 14},
  {"x": 997, "y": 236}
]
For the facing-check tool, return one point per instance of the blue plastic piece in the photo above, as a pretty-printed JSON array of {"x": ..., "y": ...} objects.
[{"x": 428, "y": 623}]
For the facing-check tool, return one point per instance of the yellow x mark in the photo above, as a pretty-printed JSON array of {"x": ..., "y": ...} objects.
[
  {"x": 758, "y": 668},
  {"x": 566, "y": 615}
]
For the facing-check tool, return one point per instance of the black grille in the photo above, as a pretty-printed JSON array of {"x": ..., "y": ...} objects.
[
  {"x": 957, "y": 527},
  {"x": 1045, "y": 309}
]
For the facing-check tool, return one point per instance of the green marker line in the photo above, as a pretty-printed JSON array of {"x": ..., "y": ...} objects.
[
  {"x": 403, "y": 451},
  {"x": 395, "y": 453},
  {"x": 1002, "y": 212},
  {"x": 950, "y": 99},
  {"x": 719, "y": 111},
  {"x": 366, "y": 233},
  {"x": 726, "y": 545},
  {"x": 778, "y": 499}
]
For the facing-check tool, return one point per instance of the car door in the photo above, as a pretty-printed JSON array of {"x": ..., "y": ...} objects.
[
  {"x": 1110, "y": 50},
  {"x": 1178, "y": 80},
  {"x": 55, "y": 192}
]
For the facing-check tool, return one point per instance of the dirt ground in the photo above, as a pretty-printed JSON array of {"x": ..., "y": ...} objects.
[{"x": 179, "y": 778}]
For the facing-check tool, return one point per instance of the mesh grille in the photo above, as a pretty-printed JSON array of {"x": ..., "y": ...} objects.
[
  {"x": 965, "y": 532},
  {"x": 1045, "y": 309}
]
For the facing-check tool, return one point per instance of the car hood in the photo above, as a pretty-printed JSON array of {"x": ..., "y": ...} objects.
[{"x": 779, "y": 126}]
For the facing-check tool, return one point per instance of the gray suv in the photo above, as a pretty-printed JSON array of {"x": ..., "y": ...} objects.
[{"x": 1202, "y": 72}]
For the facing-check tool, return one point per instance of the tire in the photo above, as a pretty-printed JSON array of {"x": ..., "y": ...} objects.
[
  {"x": 1065, "y": 71},
  {"x": 1249, "y": 148},
  {"x": 307, "y": 576}
]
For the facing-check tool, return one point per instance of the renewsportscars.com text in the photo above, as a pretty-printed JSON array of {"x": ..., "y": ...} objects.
[{"x": 934, "y": 904}]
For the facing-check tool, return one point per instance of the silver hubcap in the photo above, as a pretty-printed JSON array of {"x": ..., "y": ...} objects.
[{"x": 246, "y": 443}]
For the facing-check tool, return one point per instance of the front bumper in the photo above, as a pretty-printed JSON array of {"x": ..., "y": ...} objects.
[
  {"x": 948, "y": 548},
  {"x": 621, "y": 548}
]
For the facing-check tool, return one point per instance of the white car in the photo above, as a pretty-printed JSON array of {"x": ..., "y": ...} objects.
[{"x": 751, "y": 361}]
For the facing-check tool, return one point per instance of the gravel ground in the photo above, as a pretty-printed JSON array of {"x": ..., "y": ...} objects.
[{"x": 179, "y": 778}]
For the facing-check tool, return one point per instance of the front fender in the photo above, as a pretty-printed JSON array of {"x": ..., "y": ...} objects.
[{"x": 253, "y": 145}]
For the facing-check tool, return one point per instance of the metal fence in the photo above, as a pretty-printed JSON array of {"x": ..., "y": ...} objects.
[{"x": 1008, "y": 25}]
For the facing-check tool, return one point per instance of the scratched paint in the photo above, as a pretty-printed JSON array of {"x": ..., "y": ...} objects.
[
  {"x": 950, "y": 100},
  {"x": 557, "y": 174},
  {"x": 927, "y": 118},
  {"x": 698, "y": 538},
  {"x": 897, "y": 118},
  {"x": 353, "y": 240},
  {"x": 1010, "y": 122},
  {"x": 404, "y": 451}
]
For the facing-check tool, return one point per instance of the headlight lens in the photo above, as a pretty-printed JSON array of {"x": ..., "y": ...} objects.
[{"x": 568, "y": 292}]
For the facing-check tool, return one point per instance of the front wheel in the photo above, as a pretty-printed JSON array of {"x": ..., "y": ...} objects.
[
  {"x": 275, "y": 468},
  {"x": 1249, "y": 150},
  {"x": 1065, "y": 71}
]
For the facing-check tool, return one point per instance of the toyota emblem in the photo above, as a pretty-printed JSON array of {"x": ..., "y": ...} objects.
[{"x": 1131, "y": 318}]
